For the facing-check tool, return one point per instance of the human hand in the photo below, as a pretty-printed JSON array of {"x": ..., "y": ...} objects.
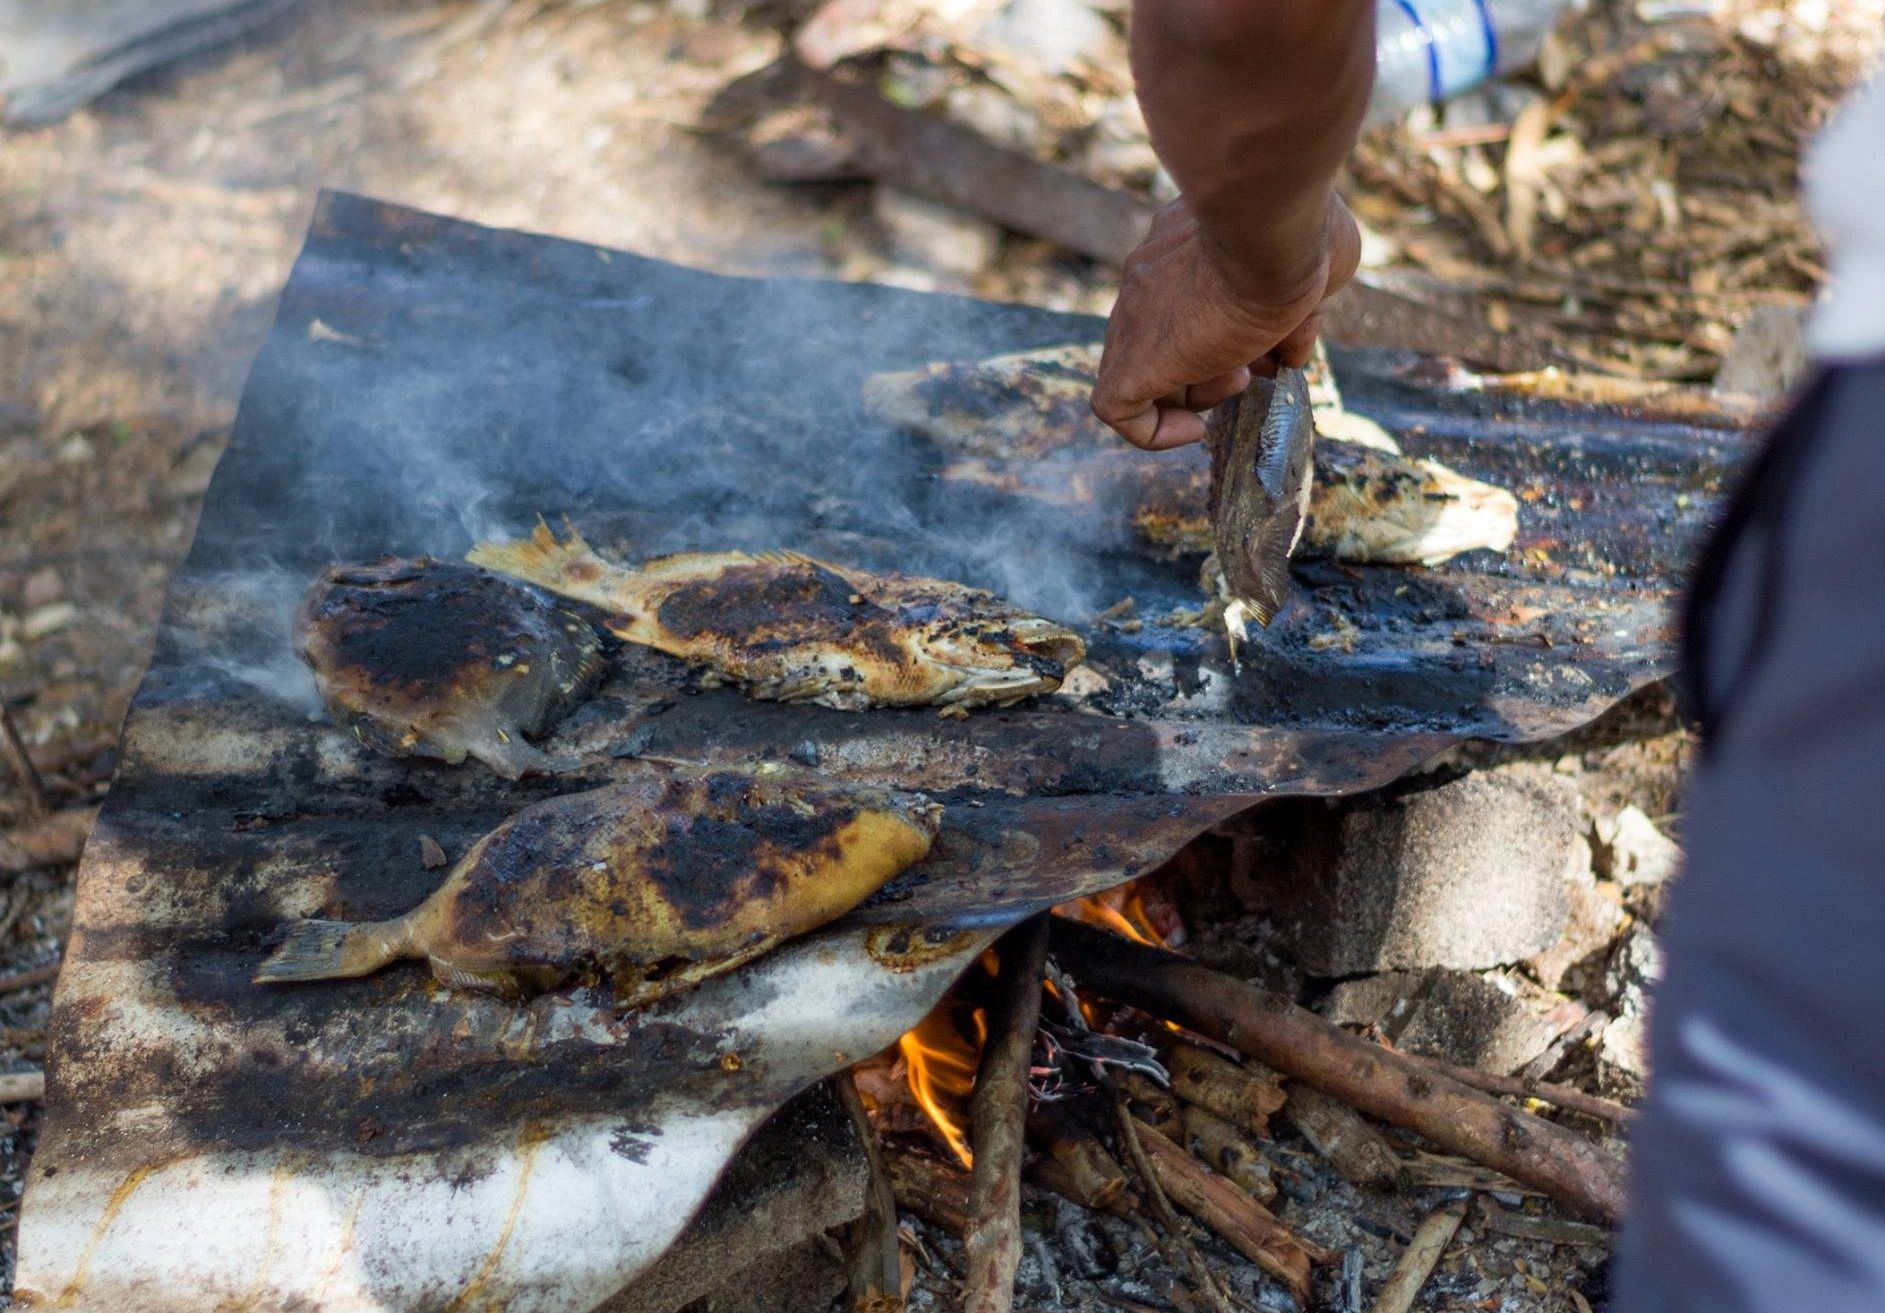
[{"x": 1190, "y": 323}]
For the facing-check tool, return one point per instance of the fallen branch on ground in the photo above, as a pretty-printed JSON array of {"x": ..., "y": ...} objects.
[{"x": 1375, "y": 1080}]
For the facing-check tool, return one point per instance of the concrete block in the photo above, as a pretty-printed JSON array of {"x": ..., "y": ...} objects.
[{"x": 1467, "y": 874}]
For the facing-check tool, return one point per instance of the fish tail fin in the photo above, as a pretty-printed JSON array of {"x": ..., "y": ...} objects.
[
  {"x": 568, "y": 566},
  {"x": 329, "y": 950}
]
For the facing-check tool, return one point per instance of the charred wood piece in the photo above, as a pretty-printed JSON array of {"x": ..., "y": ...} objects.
[
  {"x": 1350, "y": 1145},
  {"x": 1240, "y": 1096},
  {"x": 1236, "y": 1218}
]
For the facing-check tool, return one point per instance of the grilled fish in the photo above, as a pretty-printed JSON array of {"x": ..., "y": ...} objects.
[
  {"x": 1365, "y": 505},
  {"x": 792, "y": 629},
  {"x": 1262, "y": 452},
  {"x": 652, "y": 886},
  {"x": 1024, "y": 404},
  {"x": 429, "y": 659}
]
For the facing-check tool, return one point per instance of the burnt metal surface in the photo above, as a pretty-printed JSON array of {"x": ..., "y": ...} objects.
[{"x": 384, "y": 1144}]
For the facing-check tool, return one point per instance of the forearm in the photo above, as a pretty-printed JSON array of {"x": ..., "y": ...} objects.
[{"x": 1253, "y": 105}]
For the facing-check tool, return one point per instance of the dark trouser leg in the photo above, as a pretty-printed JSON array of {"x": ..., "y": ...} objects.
[{"x": 1760, "y": 1164}]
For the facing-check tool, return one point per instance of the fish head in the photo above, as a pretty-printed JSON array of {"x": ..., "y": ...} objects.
[{"x": 997, "y": 653}]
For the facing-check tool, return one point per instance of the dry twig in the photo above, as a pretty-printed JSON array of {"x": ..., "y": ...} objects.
[
  {"x": 26, "y": 979},
  {"x": 1336, "y": 1131},
  {"x": 934, "y": 1190},
  {"x": 1242, "y": 1097},
  {"x": 1420, "y": 1258},
  {"x": 1374, "y": 1080},
  {"x": 1517, "y": 1087}
]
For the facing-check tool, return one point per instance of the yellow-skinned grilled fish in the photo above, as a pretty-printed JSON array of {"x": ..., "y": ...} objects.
[
  {"x": 650, "y": 886},
  {"x": 427, "y": 658},
  {"x": 792, "y": 629}
]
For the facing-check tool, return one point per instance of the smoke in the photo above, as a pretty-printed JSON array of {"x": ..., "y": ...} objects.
[{"x": 410, "y": 410}]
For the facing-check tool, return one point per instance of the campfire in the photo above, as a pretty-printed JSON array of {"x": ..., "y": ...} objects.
[{"x": 1131, "y": 1114}]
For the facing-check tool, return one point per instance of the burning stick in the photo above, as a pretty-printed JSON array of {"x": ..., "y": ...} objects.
[
  {"x": 1075, "y": 1165},
  {"x": 1223, "y": 1149},
  {"x": 1336, "y": 1131},
  {"x": 1241, "y": 1097},
  {"x": 998, "y": 1112},
  {"x": 1420, "y": 1257},
  {"x": 1243, "y": 1223},
  {"x": 1378, "y": 1081}
]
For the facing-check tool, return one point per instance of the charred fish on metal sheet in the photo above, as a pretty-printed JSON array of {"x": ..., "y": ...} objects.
[
  {"x": 792, "y": 629},
  {"x": 425, "y": 658},
  {"x": 1023, "y": 404},
  {"x": 1366, "y": 506},
  {"x": 652, "y": 886},
  {"x": 1262, "y": 464}
]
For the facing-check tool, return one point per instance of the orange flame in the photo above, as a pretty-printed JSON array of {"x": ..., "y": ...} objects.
[
  {"x": 940, "y": 1062},
  {"x": 1121, "y": 910}
]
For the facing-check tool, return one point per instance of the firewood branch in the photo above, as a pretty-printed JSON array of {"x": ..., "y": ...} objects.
[
  {"x": 1372, "y": 1079},
  {"x": 998, "y": 1112}
]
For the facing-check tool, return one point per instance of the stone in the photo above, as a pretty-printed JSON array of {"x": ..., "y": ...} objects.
[
  {"x": 935, "y": 236},
  {"x": 1632, "y": 851},
  {"x": 1466, "y": 874},
  {"x": 1768, "y": 354},
  {"x": 1635, "y": 968},
  {"x": 1595, "y": 914},
  {"x": 1492, "y": 1024},
  {"x": 757, "y": 1241}
]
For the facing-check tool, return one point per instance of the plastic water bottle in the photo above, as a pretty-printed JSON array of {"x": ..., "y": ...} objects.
[{"x": 1432, "y": 50}]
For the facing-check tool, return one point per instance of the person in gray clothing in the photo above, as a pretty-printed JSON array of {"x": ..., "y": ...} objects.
[{"x": 1759, "y": 1165}]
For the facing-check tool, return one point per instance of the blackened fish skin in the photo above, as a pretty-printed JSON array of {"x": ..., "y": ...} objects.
[
  {"x": 428, "y": 658},
  {"x": 653, "y": 885},
  {"x": 1262, "y": 463},
  {"x": 790, "y": 628}
]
